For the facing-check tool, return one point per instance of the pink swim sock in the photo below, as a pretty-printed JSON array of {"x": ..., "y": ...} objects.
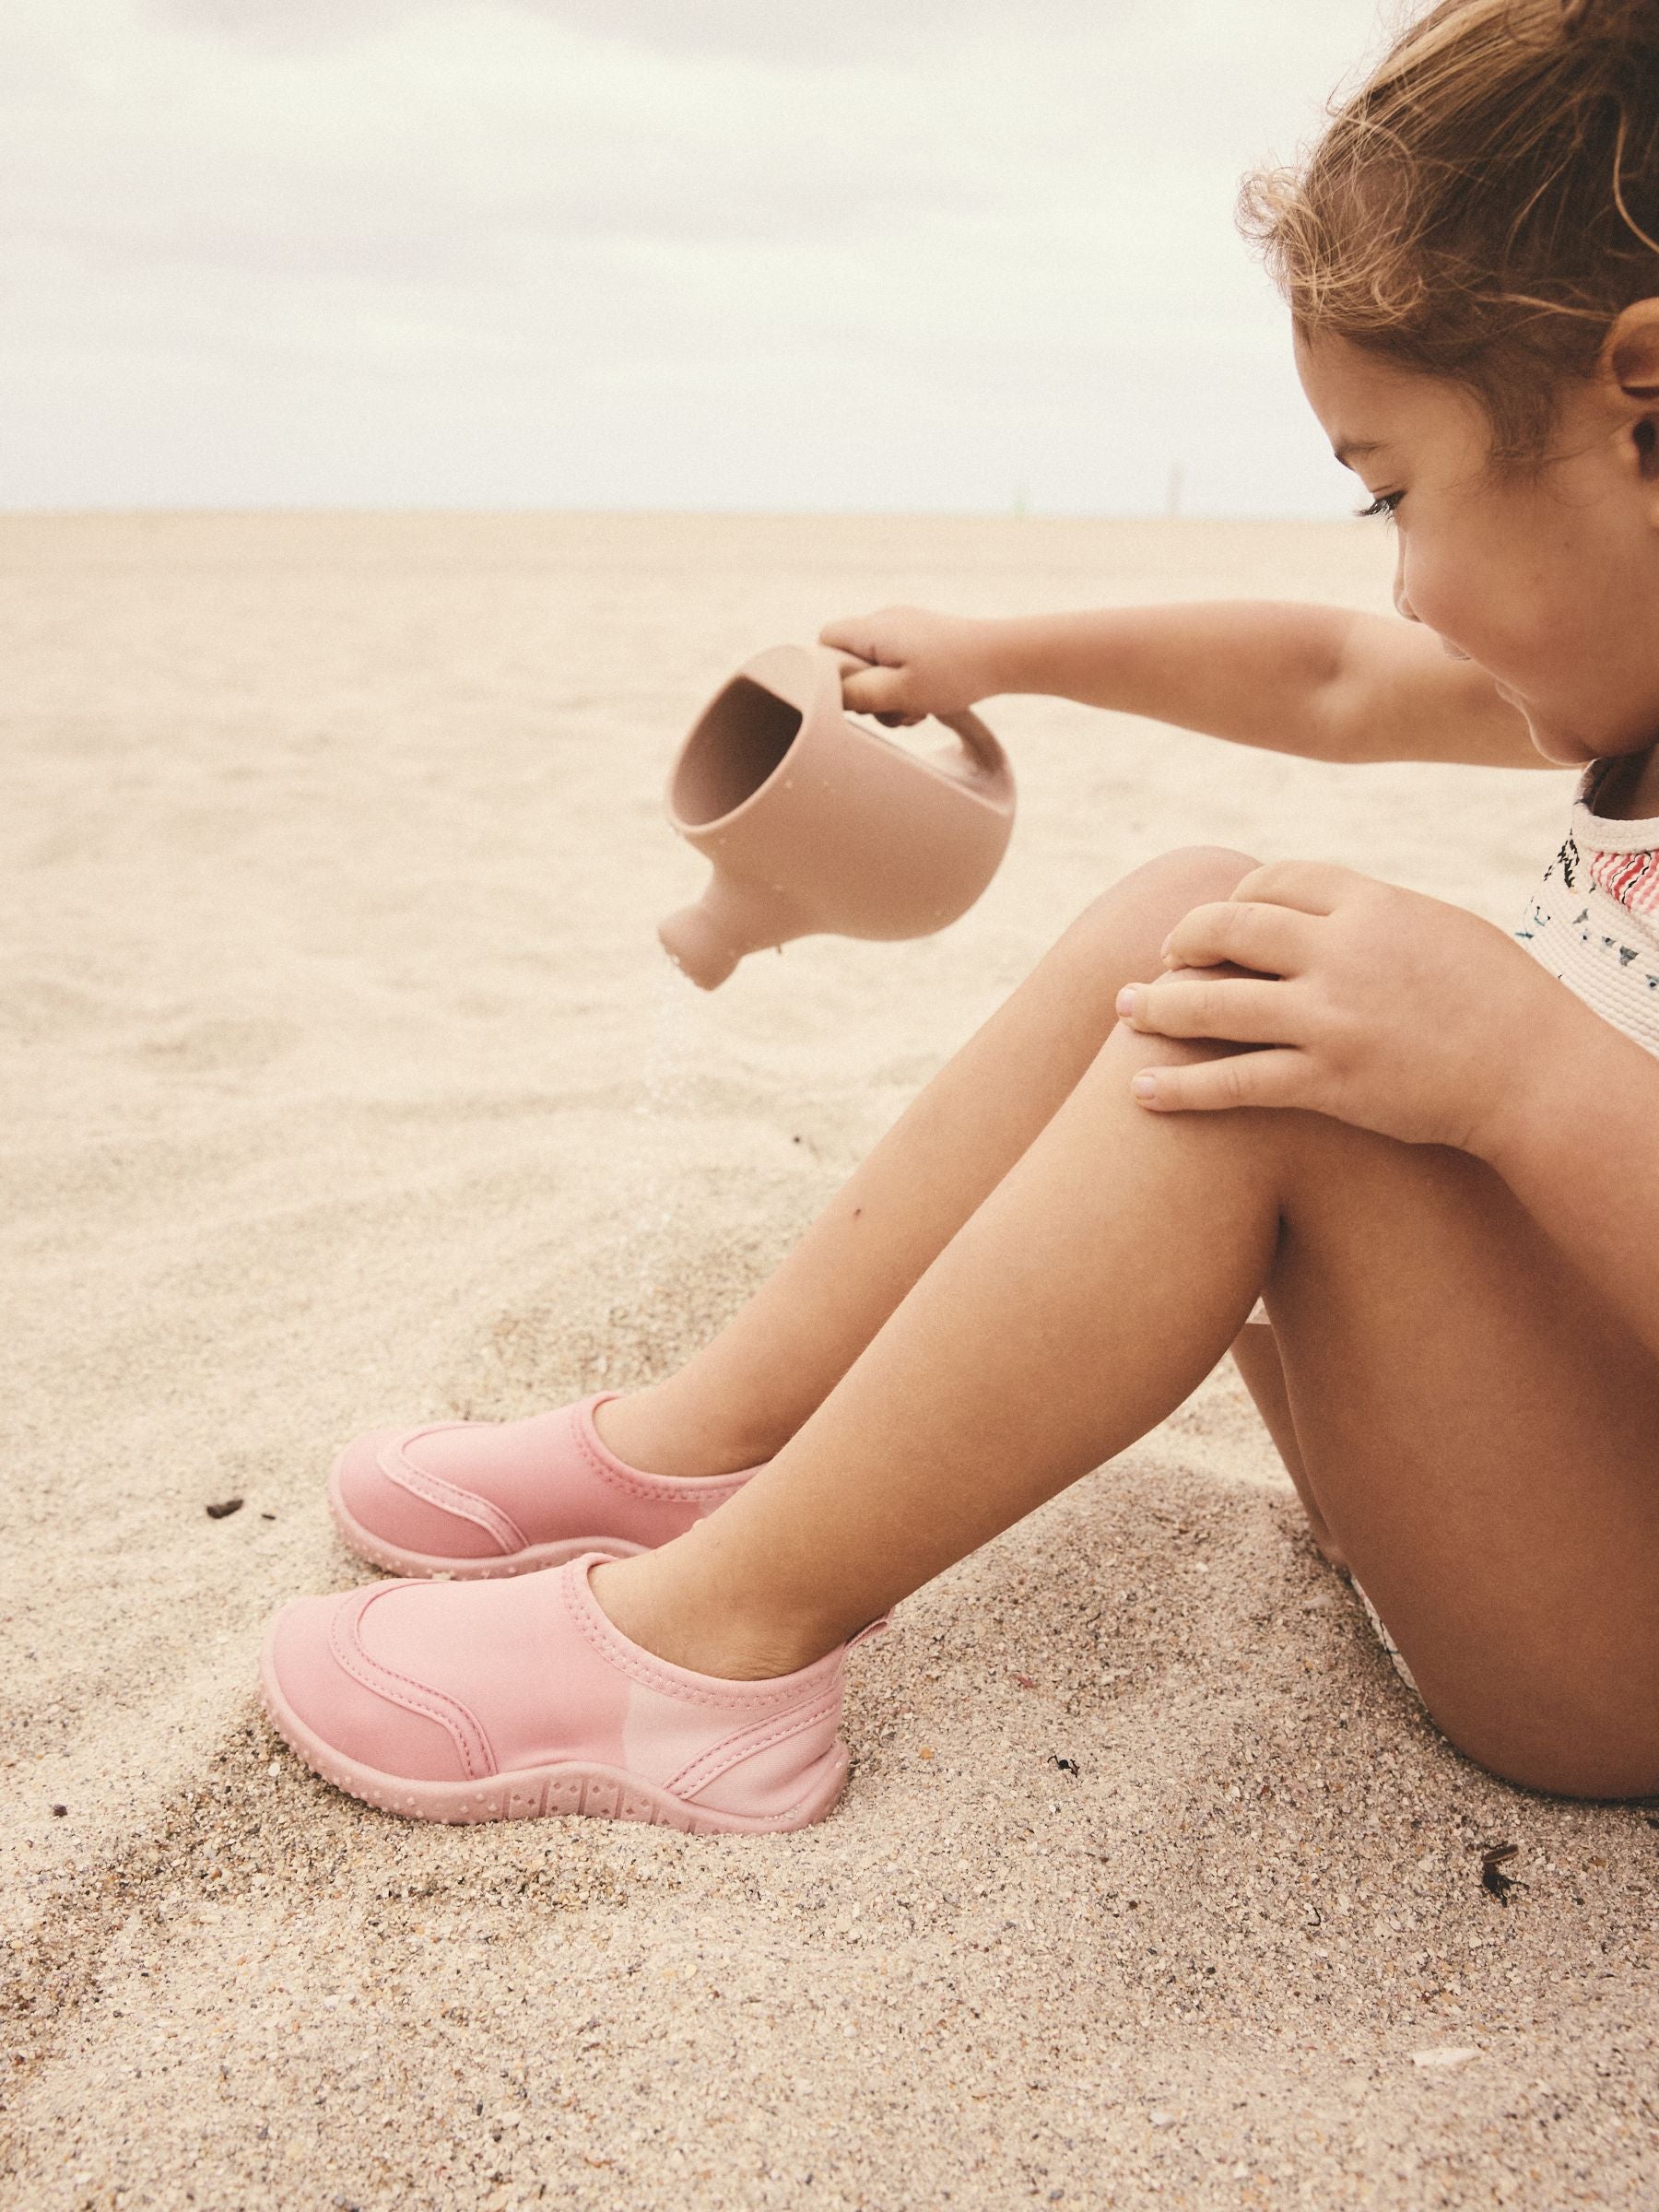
[
  {"x": 472, "y": 1499},
  {"x": 509, "y": 1700}
]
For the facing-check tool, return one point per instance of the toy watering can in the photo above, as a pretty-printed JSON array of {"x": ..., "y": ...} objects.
[{"x": 815, "y": 823}]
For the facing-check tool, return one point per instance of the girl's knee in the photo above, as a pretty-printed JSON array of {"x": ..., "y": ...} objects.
[
  {"x": 1124, "y": 927},
  {"x": 1118, "y": 937},
  {"x": 1190, "y": 876}
]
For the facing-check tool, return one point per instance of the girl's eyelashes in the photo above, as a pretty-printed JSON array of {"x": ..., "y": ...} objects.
[{"x": 1385, "y": 503}]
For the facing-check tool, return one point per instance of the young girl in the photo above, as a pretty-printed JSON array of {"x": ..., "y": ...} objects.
[{"x": 1432, "y": 1149}]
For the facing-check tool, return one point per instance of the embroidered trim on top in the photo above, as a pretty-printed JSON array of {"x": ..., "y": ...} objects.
[{"x": 1630, "y": 877}]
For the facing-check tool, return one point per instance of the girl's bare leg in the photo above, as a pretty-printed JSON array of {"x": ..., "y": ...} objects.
[
  {"x": 1481, "y": 1430},
  {"x": 1256, "y": 1355},
  {"x": 747, "y": 1391}
]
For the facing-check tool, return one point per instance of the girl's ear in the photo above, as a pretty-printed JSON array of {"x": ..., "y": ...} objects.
[
  {"x": 1630, "y": 359},
  {"x": 1630, "y": 381}
]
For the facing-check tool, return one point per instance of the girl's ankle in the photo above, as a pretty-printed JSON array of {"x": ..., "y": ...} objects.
[
  {"x": 635, "y": 1599},
  {"x": 657, "y": 1437}
]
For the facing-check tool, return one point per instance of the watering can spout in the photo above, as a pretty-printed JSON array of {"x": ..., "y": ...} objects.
[
  {"x": 697, "y": 949},
  {"x": 706, "y": 940}
]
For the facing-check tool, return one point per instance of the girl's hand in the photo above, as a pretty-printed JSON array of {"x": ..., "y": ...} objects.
[
  {"x": 926, "y": 663},
  {"x": 1371, "y": 1003}
]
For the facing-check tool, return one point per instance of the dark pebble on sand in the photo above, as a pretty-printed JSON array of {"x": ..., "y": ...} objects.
[
  {"x": 58, "y": 1811},
  {"x": 228, "y": 1505}
]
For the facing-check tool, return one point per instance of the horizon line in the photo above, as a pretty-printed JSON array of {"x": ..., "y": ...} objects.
[{"x": 135, "y": 511}]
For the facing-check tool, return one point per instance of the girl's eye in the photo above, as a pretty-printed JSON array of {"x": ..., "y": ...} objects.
[{"x": 1385, "y": 503}]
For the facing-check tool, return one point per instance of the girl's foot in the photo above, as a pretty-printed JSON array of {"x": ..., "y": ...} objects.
[
  {"x": 503, "y": 1700},
  {"x": 472, "y": 1499}
]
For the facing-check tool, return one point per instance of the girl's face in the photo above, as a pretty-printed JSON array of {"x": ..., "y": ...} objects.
[{"x": 1552, "y": 586}]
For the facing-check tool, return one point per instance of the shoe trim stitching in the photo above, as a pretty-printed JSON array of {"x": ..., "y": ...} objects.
[
  {"x": 448, "y": 1497},
  {"x": 653, "y": 1674},
  {"x": 721, "y": 1757},
  {"x": 397, "y": 1689},
  {"x": 683, "y": 1489}
]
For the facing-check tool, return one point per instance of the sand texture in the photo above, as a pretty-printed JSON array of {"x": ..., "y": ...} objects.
[{"x": 344, "y": 1084}]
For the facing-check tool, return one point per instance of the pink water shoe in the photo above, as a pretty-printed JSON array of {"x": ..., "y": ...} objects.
[
  {"x": 470, "y": 1498},
  {"x": 504, "y": 1700}
]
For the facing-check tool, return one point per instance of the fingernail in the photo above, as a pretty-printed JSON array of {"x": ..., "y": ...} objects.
[
  {"x": 1125, "y": 1000},
  {"x": 1145, "y": 1087},
  {"x": 1164, "y": 947}
]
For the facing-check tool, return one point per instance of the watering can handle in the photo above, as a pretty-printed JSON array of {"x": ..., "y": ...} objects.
[{"x": 982, "y": 748}]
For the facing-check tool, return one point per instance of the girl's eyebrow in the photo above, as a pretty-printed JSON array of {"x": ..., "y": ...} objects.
[{"x": 1346, "y": 451}]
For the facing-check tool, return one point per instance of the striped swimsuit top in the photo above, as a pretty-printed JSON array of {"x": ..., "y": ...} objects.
[{"x": 1593, "y": 920}]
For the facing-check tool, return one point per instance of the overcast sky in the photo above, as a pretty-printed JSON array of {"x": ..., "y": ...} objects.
[{"x": 777, "y": 254}]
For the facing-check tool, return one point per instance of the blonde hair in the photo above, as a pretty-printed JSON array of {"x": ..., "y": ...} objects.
[{"x": 1484, "y": 205}]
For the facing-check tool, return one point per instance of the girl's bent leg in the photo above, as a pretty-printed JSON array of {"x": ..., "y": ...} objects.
[
  {"x": 1256, "y": 1356},
  {"x": 750, "y": 1390},
  {"x": 1481, "y": 1434}
]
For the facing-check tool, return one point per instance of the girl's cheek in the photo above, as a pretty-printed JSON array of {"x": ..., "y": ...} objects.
[{"x": 1461, "y": 595}]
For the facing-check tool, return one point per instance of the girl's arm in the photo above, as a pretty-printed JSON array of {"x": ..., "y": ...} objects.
[{"x": 1320, "y": 681}]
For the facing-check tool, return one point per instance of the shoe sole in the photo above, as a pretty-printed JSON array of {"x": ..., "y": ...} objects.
[
  {"x": 425, "y": 1567},
  {"x": 534, "y": 1793}
]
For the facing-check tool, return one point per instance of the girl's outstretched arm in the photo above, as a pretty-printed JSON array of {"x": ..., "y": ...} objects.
[{"x": 1320, "y": 681}]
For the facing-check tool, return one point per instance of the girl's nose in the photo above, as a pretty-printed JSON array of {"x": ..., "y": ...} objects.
[{"x": 1403, "y": 605}]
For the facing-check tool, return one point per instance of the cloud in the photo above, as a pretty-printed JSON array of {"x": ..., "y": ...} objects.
[
  {"x": 509, "y": 210},
  {"x": 287, "y": 26},
  {"x": 869, "y": 35}
]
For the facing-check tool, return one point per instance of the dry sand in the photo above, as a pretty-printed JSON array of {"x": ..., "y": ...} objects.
[{"x": 346, "y": 1083}]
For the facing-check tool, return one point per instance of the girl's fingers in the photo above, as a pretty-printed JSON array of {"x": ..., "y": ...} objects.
[
  {"x": 852, "y": 636},
  {"x": 1275, "y": 940},
  {"x": 1270, "y": 1078},
  {"x": 874, "y": 691},
  {"x": 1231, "y": 1009},
  {"x": 1312, "y": 885}
]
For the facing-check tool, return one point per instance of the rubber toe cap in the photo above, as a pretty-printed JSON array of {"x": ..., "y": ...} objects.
[
  {"x": 377, "y": 1483},
  {"x": 316, "y": 1664}
]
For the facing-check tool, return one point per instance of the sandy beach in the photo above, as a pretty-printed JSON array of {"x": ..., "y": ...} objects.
[{"x": 345, "y": 1083}]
